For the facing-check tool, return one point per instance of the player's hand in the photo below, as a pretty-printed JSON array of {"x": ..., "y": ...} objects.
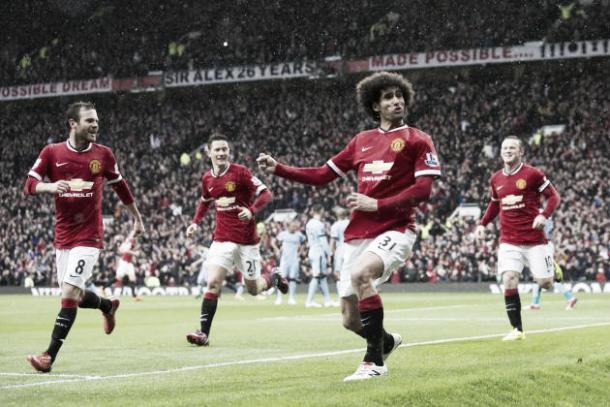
[
  {"x": 479, "y": 232},
  {"x": 191, "y": 230},
  {"x": 58, "y": 187},
  {"x": 266, "y": 163},
  {"x": 539, "y": 222},
  {"x": 244, "y": 214},
  {"x": 360, "y": 202},
  {"x": 138, "y": 228}
]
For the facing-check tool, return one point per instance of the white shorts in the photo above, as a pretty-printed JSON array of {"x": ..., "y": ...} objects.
[
  {"x": 229, "y": 255},
  {"x": 75, "y": 266},
  {"x": 538, "y": 258},
  {"x": 394, "y": 248},
  {"x": 125, "y": 269}
]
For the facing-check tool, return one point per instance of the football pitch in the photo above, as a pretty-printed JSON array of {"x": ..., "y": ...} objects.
[{"x": 263, "y": 354}]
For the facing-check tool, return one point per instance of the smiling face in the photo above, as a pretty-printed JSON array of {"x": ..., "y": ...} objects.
[
  {"x": 391, "y": 106},
  {"x": 86, "y": 128},
  {"x": 218, "y": 151},
  {"x": 511, "y": 152}
]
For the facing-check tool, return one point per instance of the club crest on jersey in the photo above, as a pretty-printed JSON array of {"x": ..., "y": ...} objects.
[
  {"x": 95, "y": 166},
  {"x": 431, "y": 160},
  {"x": 521, "y": 184},
  {"x": 397, "y": 145},
  {"x": 230, "y": 186}
]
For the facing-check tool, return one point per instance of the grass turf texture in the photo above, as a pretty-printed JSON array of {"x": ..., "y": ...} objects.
[{"x": 262, "y": 354}]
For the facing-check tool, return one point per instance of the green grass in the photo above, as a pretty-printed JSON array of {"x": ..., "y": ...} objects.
[{"x": 147, "y": 361}]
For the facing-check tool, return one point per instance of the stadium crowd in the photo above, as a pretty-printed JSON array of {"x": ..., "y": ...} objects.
[
  {"x": 118, "y": 39},
  {"x": 157, "y": 139}
]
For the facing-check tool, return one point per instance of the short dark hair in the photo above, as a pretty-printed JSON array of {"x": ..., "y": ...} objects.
[
  {"x": 513, "y": 137},
  {"x": 217, "y": 137},
  {"x": 368, "y": 90},
  {"x": 73, "y": 111}
]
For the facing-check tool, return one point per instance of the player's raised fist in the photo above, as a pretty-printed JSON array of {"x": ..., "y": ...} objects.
[
  {"x": 191, "y": 230},
  {"x": 266, "y": 163},
  {"x": 138, "y": 228}
]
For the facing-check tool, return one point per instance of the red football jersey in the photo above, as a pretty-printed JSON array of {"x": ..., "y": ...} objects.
[
  {"x": 78, "y": 212},
  {"x": 128, "y": 244},
  {"x": 387, "y": 164},
  {"x": 234, "y": 188},
  {"x": 518, "y": 194}
]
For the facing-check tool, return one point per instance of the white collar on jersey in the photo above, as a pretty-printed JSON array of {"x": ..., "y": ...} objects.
[
  {"x": 512, "y": 172},
  {"x": 404, "y": 126},
  {"x": 222, "y": 173},
  {"x": 78, "y": 151}
]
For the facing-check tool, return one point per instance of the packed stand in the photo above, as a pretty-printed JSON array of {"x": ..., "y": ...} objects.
[
  {"x": 124, "y": 39},
  {"x": 304, "y": 123}
]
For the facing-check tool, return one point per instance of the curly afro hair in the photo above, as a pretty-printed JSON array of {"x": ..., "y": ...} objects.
[{"x": 369, "y": 89}]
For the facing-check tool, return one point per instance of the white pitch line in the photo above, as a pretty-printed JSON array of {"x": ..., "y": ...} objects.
[
  {"x": 9, "y": 374},
  {"x": 338, "y": 313},
  {"x": 293, "y": 357}
]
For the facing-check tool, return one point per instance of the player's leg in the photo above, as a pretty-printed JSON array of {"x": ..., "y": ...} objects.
[
  {"x": 248, "y": 259},
  {"x": 72, "y": 273},
  {"x": 511, "y": 260},
  {"x": 239, "y": 278},
  {"x": 373, "y": 267},
  {"x": 349, "y": 300},
  {"x": 323, "y": 282},
  {"x": 284, "y": 265},
  {"x": 293, "y": 275},
  {"x": 220, "y": 261},
  {"x": 565, "y": 291},
  {"x": 535, "y": 305},
  {"x": 316, "y": 269}
]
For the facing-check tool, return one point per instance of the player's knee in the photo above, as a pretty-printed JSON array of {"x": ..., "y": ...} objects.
[
  {"x": 546, "y": 283},
  {"x": 510, "y": 279},
  {"x": 251, "y": 289},
  {"x": 361, "y": 278},
  {"x": 214, "y": 286}
]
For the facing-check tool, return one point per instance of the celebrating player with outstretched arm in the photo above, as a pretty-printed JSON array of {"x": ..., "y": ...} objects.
[
  {"x": 515, "y": 195},
  {"x": 396, "y": 165},
  {"x": 231, "y": 188},
  {"x": 76, "y": 169}
]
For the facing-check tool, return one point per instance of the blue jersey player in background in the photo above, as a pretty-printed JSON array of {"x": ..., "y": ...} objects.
[{"x": 291, "y": 240}]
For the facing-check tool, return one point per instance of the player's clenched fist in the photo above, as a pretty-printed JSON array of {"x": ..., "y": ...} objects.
[
  {"x": 244, "y": 213},
  {"x": 191, "y": 230},
  {"x": 266, "y": 163}
]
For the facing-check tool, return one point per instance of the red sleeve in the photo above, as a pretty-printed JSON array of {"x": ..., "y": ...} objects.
[
  {"x": 111, "y": 169},
  {"x": 490, "y": 214},
  {"x": 552, "y": 200},
  {"x": 416, "y": 193},
  {"x": 426, "y": 162},
  {"x": 343, "y": 161},
  {"x": 310, "y": 175},
  {"x": 262, "y": 200},
  {"x": 254, "y": 184},
  {"x": 38, "y": 171},
  {"x": 202, "y": 208},
  {"x": 122, "y": 190}
]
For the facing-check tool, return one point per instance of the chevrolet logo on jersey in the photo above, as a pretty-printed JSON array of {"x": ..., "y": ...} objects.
[
  {"x": 377, "y": 167},
  {"x": 225, "y": 201},
  {"x": 77, "y": 184},
  {"x": 512, "y": 199}
]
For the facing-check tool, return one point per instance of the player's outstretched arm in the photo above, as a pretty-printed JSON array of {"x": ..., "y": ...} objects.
[
  {"x": 309, "y": 175},
  {"x": 138, "y": 224}
]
